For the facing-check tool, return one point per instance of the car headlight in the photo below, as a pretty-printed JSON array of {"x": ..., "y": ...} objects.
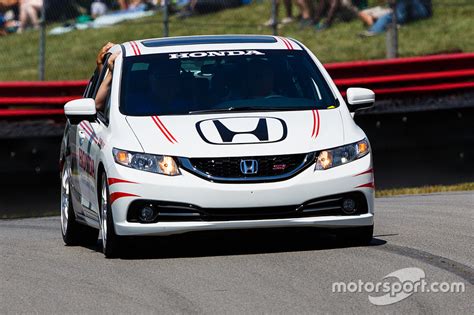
[
  {"x": 342, "y": 155},
  {"x": 160, "y": 164}
]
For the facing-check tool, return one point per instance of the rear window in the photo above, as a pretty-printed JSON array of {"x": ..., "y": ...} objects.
[{"x": 195, "y": 82}]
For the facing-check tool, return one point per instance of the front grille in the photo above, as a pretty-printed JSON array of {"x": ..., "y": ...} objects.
[{"x": 275, "y": 167}]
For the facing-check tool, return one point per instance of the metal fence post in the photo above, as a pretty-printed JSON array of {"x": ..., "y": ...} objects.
[
  {"x": 392, "y": 32},
  {"x": 42, "y": 44},
  {"x": 275, "y": 17},
  {"x": 166, "y": 29}
]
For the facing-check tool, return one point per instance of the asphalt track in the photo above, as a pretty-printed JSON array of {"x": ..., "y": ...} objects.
[{"x": 271, "y": 271}]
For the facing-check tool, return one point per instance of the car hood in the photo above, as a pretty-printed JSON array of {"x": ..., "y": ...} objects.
[{"x": 239, "y": 134}]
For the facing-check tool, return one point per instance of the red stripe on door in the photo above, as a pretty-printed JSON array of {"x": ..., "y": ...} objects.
[
  {"x": 89, "y": 132},
  {"x": 88, "y": 128}
]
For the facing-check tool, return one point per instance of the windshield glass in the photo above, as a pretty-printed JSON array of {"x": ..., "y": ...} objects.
[{"x": 214, "y": 81}]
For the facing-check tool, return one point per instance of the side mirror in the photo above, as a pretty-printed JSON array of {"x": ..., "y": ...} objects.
[
  {"x": 359, "y": 98},
  {"x": 79, "y": 110}
]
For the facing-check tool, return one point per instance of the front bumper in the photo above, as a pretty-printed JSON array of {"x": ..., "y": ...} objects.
[
  {"x": 169, "y": 228},
  {"x": 188, "y": 188}
]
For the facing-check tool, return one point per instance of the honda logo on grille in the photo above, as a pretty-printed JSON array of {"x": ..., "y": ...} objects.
[{"x": 249, "y": 167}]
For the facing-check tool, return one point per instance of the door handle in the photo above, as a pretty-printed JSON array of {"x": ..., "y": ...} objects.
[{"x": 82, "y": 134}]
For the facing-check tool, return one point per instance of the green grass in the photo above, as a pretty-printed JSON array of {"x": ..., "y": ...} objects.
[
  {"x": 424, "y": 190},
  {"x": 71, "y": 56}
]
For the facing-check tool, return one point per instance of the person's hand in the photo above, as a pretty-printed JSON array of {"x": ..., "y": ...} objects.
[
  {"x": 102, "y": 52},
  {"x": 111, "y": 60}
]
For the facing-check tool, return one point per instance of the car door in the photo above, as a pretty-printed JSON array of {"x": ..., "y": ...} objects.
[
  {"x": 88, "y": 148},
  {"x": 73, "y": 143}
]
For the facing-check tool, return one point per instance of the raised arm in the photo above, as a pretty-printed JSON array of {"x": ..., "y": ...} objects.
[{"x": 105, "y": 85}]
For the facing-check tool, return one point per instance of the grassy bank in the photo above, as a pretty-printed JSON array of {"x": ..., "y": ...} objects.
[
  {"x": 71, "y": 56},
  {"x": 424, "y": 190}
]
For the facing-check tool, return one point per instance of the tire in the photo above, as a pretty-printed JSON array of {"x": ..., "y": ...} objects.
[
  {"x": 110, "y": 240},
  {"x": 73, "y": 232},
  {"x": 356, "y": 236}
]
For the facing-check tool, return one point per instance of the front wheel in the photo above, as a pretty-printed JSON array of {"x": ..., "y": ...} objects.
[
  {"x": 73, "y": 233},
  {"x": 110, "y": 240},
  {"x": 357, "y": 235}
]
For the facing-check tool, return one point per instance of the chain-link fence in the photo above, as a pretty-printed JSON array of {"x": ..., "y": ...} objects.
[{"x": 58, "y": 39}]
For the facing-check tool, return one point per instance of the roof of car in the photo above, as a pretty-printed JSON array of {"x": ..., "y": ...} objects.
[{"x": 208, "y": 42}]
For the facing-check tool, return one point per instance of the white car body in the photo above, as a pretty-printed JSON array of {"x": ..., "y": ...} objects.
[{"x": 88, "y": 151}]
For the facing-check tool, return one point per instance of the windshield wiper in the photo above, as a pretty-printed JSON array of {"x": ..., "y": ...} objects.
[
  {"x": 242, "y": 109},
  {"x": 224, "y": 110}
]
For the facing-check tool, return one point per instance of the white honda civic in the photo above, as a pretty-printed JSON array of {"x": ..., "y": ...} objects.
[{"x": 212, "y": 133}]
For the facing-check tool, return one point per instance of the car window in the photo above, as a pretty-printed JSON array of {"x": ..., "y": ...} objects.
[
  {"x": 107, "y": 107},
  {"x": 91, "y": 85},
  {"x": 182, "y": 83},
  {"x": 103, "y": 114},
  {"x": 101, "y": 76}
]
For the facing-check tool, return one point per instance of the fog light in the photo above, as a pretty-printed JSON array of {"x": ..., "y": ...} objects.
[
  {"x": 349, "y": 206},
  {"x": 147, "y": 214}
]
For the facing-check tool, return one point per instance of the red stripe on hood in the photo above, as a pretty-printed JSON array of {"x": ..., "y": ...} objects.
[
  {"x": 157, "y": 123},
  {"x": 166, "y": 129},
  {"x": 316, "y": 123}
]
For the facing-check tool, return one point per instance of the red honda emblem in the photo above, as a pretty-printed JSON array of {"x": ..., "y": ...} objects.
[{"x": 279, "y": 167}]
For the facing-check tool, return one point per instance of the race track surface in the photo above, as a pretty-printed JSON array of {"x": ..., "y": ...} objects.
[{"x": 244, "y": 272}]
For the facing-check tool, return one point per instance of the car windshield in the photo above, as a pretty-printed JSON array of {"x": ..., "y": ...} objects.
[{"x": 220, "y": 81}]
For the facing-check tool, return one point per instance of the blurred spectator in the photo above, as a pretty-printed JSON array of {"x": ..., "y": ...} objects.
[
  {"x": 206, "y": 6},
  {"x": 370, "y": 15},
  {"x": 6, "y": 5},
  {"x": 330, "y": 9},
  {"x": 406, "y": 11},
  {"x": 8, "y": 24},
  {"x": 130, "y": 4},
  {"x": 135, "y": 4},
  {"x": 188, "y": 10},
  {"x": 2, "y": 25},
  {"x": 306, "y": 12},
  {"x": 29, "y": 13},
  {"x": 98, "y": 8},
  {"x": 289, "y": 13}
]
